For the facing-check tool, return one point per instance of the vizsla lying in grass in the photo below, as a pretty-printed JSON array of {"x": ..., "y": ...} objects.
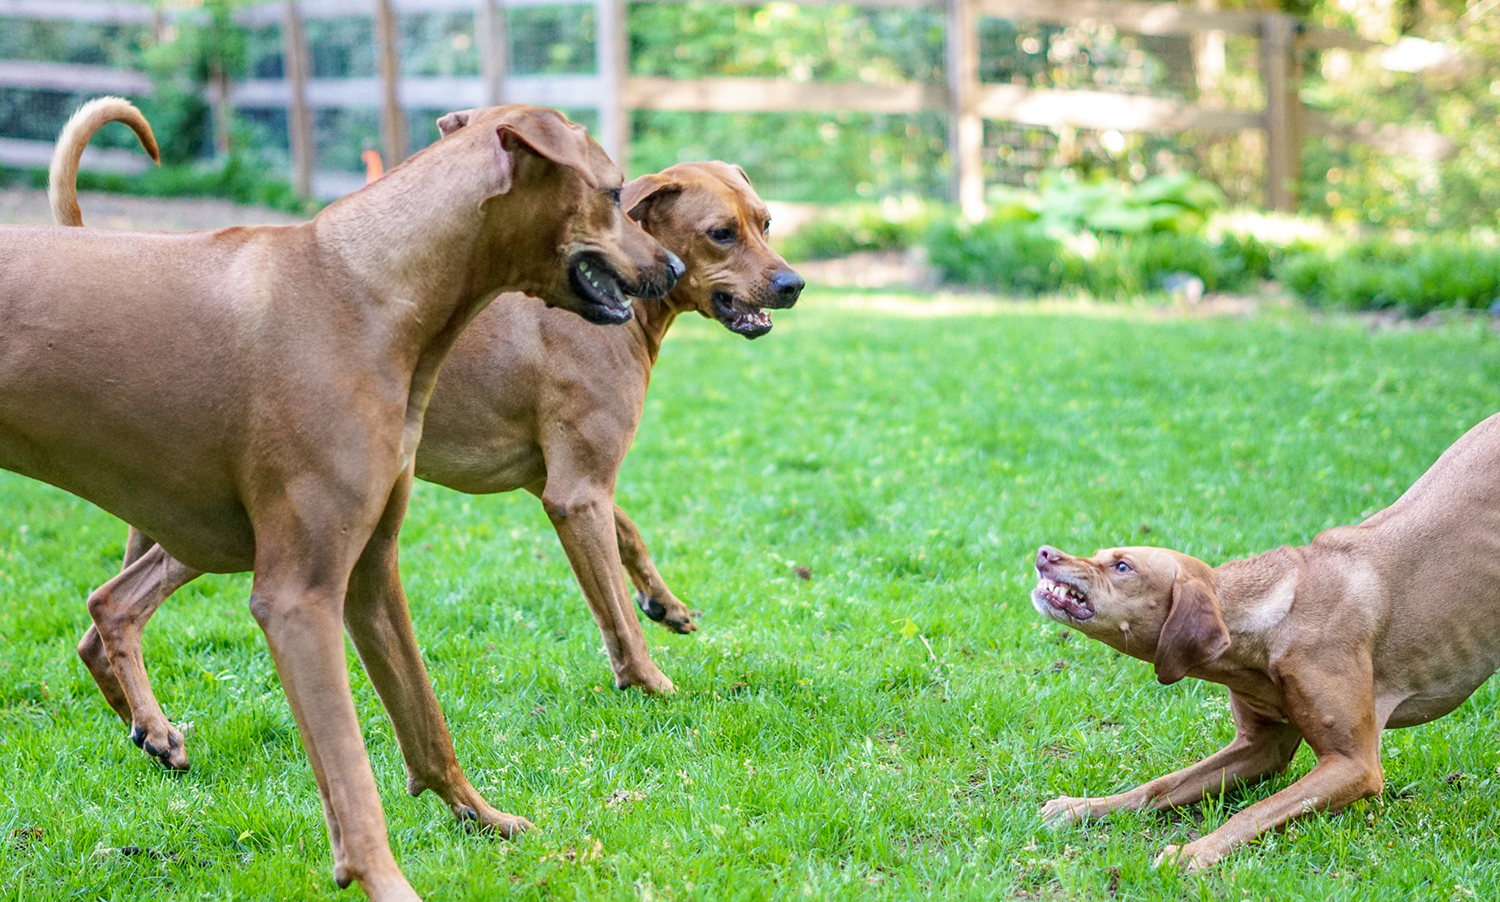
[{"x": 1389, "y": 623}]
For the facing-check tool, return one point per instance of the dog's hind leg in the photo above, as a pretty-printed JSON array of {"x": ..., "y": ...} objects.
[
  {"x": 111, "y": 648},
  {"x": 91, "y": 646},
  {"x": 379, "y": 622}
]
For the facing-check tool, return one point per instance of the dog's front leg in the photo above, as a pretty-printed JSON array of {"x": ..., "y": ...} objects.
[
  {"x": 1334, "y": 708},
  {"x": 582, "y": 512},
  {"x": 300, "y": 614},
  {"x": 1262, "y": 747},
  {"x": 379, "y": 622},
  {"x": 651, "y": 593}
]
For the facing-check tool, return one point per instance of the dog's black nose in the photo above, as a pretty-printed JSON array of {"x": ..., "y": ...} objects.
[
  {"x": 788, "y": 286},
  {"x": 675, "y": 265}
]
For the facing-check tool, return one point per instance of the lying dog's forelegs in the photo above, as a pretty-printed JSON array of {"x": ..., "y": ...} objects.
[
  {"x": 379, "y": 622},
  {"x": 1262, "y": 747},
  {"x": 651, "y": 593},
  {"x": 111, "y": 648},
  {"x": 301, "y": 618},
  {"x": 582, "y": 512},
  {"x": 1334, "y": 708}
]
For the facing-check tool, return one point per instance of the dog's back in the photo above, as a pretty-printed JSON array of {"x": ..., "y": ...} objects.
[{"x": 1426, "y": 570}]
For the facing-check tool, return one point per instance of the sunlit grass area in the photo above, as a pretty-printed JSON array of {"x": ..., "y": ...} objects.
[{"x": 882, "y": 725}]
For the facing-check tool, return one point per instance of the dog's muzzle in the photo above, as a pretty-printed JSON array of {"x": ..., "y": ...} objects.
[{"x": 599, "y": 289}]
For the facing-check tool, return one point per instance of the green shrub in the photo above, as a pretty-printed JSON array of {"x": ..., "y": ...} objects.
[
  {"x": 1004, "y": 255},
  {"x": 846, "y": 229},
  {"x": 1438, "y": 272},
  {"x": 1179, "y": 204}
]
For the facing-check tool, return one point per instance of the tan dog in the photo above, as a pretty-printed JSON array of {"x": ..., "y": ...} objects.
[
  {"x": 534, "y": 398},
  {"x": 252, "y": 398},
  {"x": 1390, "y": 623}
]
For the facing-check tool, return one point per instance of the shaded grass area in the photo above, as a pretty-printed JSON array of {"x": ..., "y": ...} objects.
[{"x": 885, "y": 729}]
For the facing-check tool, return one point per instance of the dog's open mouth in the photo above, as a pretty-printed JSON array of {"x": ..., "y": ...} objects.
[
  {"x": 598, "y": 286},
  {"x": 751, "y": 323},
  {"x": 1052, "y": 598}
]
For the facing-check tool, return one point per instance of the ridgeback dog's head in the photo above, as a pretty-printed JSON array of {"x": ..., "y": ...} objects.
[
  {"x": 553, "y": 219},
  {"x": 1151, "y": 603},
  {"x": 708, "y": 215}
]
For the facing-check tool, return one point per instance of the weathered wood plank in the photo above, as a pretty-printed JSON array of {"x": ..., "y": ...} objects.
[
  {"x": 102, "y": 13},
  {"x": 262, "y": 15},
  {"x": 23, "y": 154},
  {"x": 1100, "y": 109},
  {"x": 965, "y": 124},
  {"x": 779, "y": 95},
  {"x": 423, "y": 93},
  {"x": 72, "y": 78}
]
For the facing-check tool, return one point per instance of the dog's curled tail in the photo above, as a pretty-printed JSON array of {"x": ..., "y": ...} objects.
[{"x": 62, "y": 179}]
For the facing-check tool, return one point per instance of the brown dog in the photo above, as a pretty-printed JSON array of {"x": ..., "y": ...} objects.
[
  {"x": 1390, "y": 623},
  {"x": 533, "y": 398},
  {"x": 252, "y": 399}
]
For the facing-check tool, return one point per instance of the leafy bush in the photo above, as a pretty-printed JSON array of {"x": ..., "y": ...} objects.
[
  {"x": 1443, "y": 271},
  {"x": 1002, "y": 255},
  {"x": 860, "y": 227},
  {"x": 1178, "y": 203}
]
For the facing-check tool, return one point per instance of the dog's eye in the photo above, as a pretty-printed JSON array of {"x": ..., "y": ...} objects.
[
  {"x": 614, "y": 195},
  {"x": 766, "y": 229},
  {"x": 1122, "y": 567},
  {"x": 723, "y": 236}
]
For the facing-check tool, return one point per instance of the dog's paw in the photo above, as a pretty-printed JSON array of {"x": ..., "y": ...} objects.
[
  {"x": 646, "y": 677},
  {"x": 1065, "y": 810},
  {"x": 163, "y": 742},
  {"x": 492, "y": 820},
  {"x": 1187, "y": 859},
  {"x": 669, "y": 612}
]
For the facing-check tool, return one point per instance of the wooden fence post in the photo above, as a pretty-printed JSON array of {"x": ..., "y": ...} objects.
[
  {"x": 492, "y": 34},
  {"x": 1283, "y": 117},
  {"x": 613, "y": 53},
  {"x": 299, "y": 120},
  {"x": 965, "y": 127},
  {"x": 393, "y": 143}
]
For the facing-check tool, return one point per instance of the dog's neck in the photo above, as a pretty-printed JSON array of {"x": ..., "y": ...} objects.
[
  {"x": 653, "y": 317},
  {"x": 425, "y": 228},
  {"x": 1254, "y": 594}
]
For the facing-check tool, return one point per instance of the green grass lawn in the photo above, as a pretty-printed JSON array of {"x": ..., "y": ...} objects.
[{"x": 886, "y": 729}]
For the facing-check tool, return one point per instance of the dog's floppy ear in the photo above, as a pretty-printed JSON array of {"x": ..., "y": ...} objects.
[
  {"x": 639, "y": 193},
  {"x": 454, "y": 121},
  {"x": 1194, "y": 633},
  {"x": 547, "y": 133}
]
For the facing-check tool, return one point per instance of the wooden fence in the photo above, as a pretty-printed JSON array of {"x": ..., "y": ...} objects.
[{"x": 966, "y": 100}]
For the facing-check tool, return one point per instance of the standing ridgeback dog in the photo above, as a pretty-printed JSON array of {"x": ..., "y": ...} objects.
[
  {"x": 1389, "y": 623},
  {"x": 536, "y": 399},
  {"x": 252, "y": 399}
]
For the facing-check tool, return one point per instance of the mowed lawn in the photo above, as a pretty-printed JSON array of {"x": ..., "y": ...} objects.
[{"x": 883, "y": 725}]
